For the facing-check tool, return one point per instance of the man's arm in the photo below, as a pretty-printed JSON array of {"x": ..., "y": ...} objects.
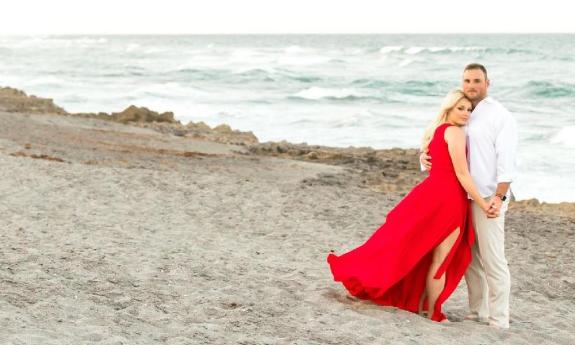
[
  {"x": 425, "y": 161},
  {"x": 496, "y": 200},
  {"x": 502, "y": 188},
  {"x": 505, "y": 147}
]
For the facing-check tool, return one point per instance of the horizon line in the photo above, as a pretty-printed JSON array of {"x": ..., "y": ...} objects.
[{"x": 285, "y": 33}]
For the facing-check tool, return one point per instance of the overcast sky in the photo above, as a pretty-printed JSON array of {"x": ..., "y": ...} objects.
[{"x": 287, "y": 16}]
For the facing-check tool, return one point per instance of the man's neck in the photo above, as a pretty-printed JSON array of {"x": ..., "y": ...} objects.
[{"x": 476, "y": 102}]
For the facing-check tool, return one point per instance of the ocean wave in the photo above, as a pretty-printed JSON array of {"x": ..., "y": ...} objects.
[
  {"x": 357, "y": 119},
  {"x": 414, "y": 50},
  {"x": 305, "y": 79},
  {"x": 238, "y": 57},
  {"x": 510, "y": 51},
  {"x": 346, "y": 122},
  {"x": 169, "y": 90},
  {"x": 405, "y": 88},
  {"x": 565, "y": 137},
  {"x": 257, "y": 74},
  {"x": 275, "y": 74},
  {"x": 336, "y": 95},
  {"x": 91, "y": 40},
  {"x": 422, "y": 88},
  {"x": 439, "y": 50},
  {"x": 258, "y": 70},
  {"x": 317, "y": 93},
  {"x": 264, "y": 74},
  {"x": 547, "y": 89},
  {"x": 303, "y": 60},
  {"x": 124, "y": 74},
  {"x": 191, "y": 74},
  {"x": 54, "y": 42},
  {"x": 267, "y": 74},
  {"x": 371, "y": 83},
  {"x": 294, "y": 50},
  {"x": 132, "y": 47},
  {"x": 44, "y": 81},
  {"x": 243, "y": 53},
  {"x": 390, "y": 49},
  {"x": 406, "y": 62}
]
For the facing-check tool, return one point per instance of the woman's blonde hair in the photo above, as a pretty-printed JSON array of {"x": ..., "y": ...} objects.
[{"x": 448, "y": 103}]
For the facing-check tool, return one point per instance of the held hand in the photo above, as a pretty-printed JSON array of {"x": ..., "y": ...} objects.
[
  {"x": 494, "y": 207},
  {"x": 485, "y": 206},
  {"x": 425, "y": 160}
]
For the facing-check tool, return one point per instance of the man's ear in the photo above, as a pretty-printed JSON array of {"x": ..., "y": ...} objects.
[{"x": 487, "y": 82}]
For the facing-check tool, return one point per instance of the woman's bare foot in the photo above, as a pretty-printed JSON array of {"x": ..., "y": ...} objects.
[
  {"x": 351, "y": 297},
  {"x": 421, "y": 311}
]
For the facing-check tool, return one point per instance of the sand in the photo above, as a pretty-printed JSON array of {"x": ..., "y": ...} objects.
[{"x": 117, "y": 234}]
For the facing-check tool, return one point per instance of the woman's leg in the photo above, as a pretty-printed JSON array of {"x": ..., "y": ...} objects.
[
  {"x": 435, "y": 286},
  {"x": 420, "y": 310}
]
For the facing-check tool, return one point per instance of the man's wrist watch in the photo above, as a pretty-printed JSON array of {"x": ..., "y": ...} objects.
[{"x": 503, "y": 197}]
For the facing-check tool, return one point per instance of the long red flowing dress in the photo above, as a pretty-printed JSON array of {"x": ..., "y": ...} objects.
[{"x": 390, "y": 268}]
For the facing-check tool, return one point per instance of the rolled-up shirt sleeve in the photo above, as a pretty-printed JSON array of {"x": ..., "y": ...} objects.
[{"x": 506, "y": 149}]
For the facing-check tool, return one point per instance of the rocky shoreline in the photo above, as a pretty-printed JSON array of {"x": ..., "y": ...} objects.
[{"x": 390, "y": 170}]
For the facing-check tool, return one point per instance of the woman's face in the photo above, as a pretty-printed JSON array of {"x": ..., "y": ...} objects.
[{"x": 459, "y": 115}]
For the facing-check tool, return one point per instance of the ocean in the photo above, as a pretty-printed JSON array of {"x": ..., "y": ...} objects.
[{"x": 337, "y": 90}]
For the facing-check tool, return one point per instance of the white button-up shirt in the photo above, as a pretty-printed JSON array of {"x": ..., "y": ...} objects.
[{"x": 492, "y": 145}]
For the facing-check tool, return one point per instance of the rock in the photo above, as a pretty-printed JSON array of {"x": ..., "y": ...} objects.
[
  {"x": 312, "y": 155},
  {"x": 143, "y": 114},
  {"x": 394, "y": 170},
  {"x": 223, "y": 128},
  {"x": 14, "y": 100},
  {"x": 198, "y": 126},
  {"x": 282, "y": 148},
  {"x": 531, "y": 202}
]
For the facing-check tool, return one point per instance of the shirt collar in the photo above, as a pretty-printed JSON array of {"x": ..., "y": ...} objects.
[
  {"x": 485, "y": 101},
  {"x": 488, "y": 99}
]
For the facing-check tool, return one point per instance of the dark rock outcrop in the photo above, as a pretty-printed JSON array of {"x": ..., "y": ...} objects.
[
  {"x": 17, "y": 101},
  {"x": 392, "y": 170}
]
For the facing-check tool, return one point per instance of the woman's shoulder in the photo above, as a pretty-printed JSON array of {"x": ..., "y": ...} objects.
[
  {"x": 443, "y": 127},
  {"x": 454, "y": 132},
  {"x": 453, "y": 128},
  {"x": 448, "y": 127}
]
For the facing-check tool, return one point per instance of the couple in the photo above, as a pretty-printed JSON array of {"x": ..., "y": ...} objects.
[{"x": 436, "y": 235}]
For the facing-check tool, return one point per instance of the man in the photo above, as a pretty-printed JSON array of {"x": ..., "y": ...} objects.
[{"x": 492, "y": 142}]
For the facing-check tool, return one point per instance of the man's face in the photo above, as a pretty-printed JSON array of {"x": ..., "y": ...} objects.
[{"x": 474, "y": 85}]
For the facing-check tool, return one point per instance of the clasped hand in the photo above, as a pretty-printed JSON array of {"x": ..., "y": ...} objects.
[{"x": 492, "y": 208}]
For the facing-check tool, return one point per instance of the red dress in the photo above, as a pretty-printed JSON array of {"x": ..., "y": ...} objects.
[{"x": 390, "y": 268}]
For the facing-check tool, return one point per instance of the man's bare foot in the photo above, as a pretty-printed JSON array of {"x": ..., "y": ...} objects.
[
  {"x": 476, "y": 318},
  {"x": 498, "y": 326}
]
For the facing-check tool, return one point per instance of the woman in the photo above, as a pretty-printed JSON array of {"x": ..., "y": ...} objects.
[{"x": 416, "y": 259}]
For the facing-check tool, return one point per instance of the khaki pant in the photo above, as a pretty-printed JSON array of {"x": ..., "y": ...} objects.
[{"x": 488, "y": 279}]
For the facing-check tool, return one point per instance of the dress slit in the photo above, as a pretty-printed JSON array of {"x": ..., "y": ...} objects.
[{"x": 443, "y": 267}]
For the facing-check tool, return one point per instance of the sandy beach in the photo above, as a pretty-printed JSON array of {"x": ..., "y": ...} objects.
[{"x": 141, "y": 231}]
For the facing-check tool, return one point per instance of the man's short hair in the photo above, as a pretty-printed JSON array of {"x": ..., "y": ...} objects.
[{"x": 476, "y": 66}]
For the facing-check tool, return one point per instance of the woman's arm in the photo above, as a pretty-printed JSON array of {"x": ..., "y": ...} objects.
[{"x": 455, "y": 138}]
